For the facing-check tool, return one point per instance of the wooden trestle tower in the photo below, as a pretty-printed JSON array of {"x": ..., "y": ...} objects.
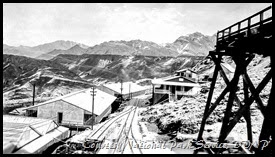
[{"x": 242, "y": 44}]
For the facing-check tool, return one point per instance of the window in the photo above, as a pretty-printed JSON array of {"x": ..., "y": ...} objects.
[
  {"x": 32, "y": 113},
  {"x": 87, "y": 116},
  {"x": 186, "y": 89},
  {"x": 178, "y": 88},
  {"x": 167, "y": 87},
  {"x": 161, "y": 87}
]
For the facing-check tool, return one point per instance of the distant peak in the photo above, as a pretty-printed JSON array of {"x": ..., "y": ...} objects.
[
  {"x": 77, "y": 46},
  {"x": 195, "y": 34}
]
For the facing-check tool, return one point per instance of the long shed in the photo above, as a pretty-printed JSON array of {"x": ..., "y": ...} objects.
[{"x": 75, "y": 108}]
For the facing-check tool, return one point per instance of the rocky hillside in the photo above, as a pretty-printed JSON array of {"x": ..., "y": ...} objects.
[
  {"x": 39, "y": 49},
  {"x": 66, "y": 73},
  {"x": 116, "y": 67},
  {"x": 51, "y": 79}
]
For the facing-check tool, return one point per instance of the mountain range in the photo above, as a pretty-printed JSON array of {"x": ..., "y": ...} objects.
[
  {"x": 38, "y": 50},
  {"x": 195, "y": 44}
]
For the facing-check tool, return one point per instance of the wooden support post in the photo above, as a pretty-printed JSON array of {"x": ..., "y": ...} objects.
[
  {"x": 247, "y": 104},
  {"x": 231, "y": 98},
  {"x": 153, "y": 93},
  {"x": 247, "y": 114},
  {"x": 226, "y": 90},
  {"x": 266, "y": 132},
  {"x": 215, "y": 75},
  {"x": 252, "y": 89}
]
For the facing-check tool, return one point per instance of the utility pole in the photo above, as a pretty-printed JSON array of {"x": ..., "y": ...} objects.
[
  {"x": 33, "y": 93},
  {"x": 121, "y": 89},
  {"x": 153, "y": 93},
  {"x": 130, "y": 90},
  {"x": 93, "y": 94}
]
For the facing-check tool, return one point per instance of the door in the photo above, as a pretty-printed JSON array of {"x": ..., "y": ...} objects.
[
  {"x": 173, "y": 89},
  {"x": 60, "y": 117}
]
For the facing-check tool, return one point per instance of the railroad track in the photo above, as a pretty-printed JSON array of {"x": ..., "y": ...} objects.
[
  {"x": 126, "y": 130},
  {"x": 134, "y": 139},
  {"x": 97, "y": 134}
]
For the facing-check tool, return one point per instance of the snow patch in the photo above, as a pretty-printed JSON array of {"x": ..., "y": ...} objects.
[
  {"x": 102, "y": 63},
  {"x": 170, "y": 61},
  {"x": 75, "y": 64},
  {"x": 126, "y": 62}
]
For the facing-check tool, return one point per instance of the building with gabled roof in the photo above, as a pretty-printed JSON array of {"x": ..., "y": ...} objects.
[
  {"x": 173, "y": 88},
  {"x": 75, "y": 108}
]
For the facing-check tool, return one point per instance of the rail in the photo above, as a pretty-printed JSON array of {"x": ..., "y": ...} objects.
[
  {"x": 111, "y": 121},
  {"x": 127, "y": 132},
  {"x": 227, "y": 32},
  {"x": 131, "y": 130}
]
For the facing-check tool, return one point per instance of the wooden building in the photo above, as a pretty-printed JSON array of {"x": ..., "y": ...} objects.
[
  {"x": 74, "y": 108},
  {"x": 173, "y": 88}
]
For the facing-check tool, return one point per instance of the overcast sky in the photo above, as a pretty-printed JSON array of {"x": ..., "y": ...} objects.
[{"x": 94, "y": 23}]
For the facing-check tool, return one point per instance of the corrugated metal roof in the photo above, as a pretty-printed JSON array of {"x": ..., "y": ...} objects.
[
  {"x": 126, "y": 86},
  {"x": 83, "y": 99}
]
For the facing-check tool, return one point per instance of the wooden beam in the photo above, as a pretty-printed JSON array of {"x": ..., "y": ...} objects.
[
  {"x": 233, "y": 89},
  {"x": 251, "y": 99},
  {"x": 252, "y": 89},
  {"x": 226, "y": 90},
  {"x": 266, "y": 132},
  {"x": 247, "y": 113},
  {"x": 210, "y": 94}
]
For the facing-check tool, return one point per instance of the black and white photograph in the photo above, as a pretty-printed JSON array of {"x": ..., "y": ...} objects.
[{"x": 137, "y": 78}]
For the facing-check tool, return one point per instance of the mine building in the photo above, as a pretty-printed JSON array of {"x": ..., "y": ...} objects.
[
  {"x": 75, "y": 108},
  {"x": 188, "y": 73},
  {"x": 173, "y": 88}
]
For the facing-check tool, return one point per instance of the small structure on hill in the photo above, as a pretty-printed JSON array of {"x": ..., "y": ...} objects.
[
  {"x": 75, "y": 108},
  {"x": 188, "y": 73},
  {"x": 208, "y": 74},
  {"x": 124, "y": 89}
]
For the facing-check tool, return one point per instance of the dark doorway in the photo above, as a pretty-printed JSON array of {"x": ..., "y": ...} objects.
[
  {"x": 173, "y": 89},
  {"x": 60, "y": 117}
]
